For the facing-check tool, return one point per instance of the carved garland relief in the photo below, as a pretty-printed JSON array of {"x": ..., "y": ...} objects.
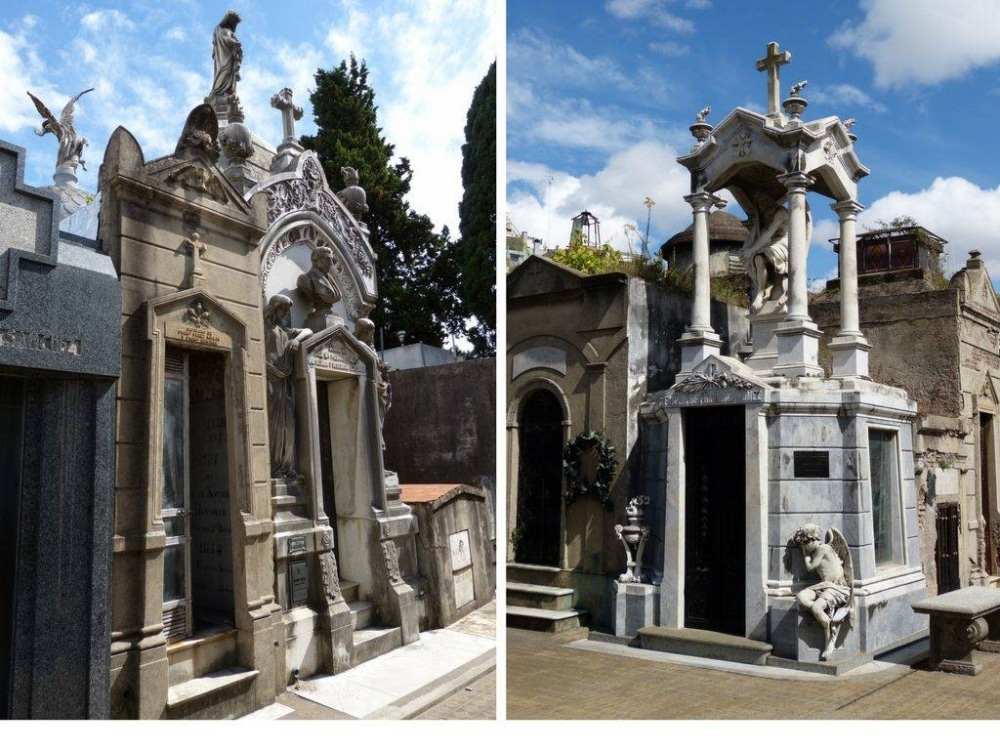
[
  {"x": 307, "y": 192},
  {"x": 335, "y": 355}
]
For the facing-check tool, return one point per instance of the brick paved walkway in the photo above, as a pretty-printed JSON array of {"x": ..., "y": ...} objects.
[
  {"x": 548, "y": 679},
  {"x": 476, "y": 701}
]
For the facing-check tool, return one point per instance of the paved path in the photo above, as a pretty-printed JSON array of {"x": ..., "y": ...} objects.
[
  {"x": 550, "y": 677},
  {"x": 475, "y": 701}
]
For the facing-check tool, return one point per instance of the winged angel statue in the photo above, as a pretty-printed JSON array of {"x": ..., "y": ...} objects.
[
  {"x": 70, "y": 146},
  {"x": 831, "y": 601}
]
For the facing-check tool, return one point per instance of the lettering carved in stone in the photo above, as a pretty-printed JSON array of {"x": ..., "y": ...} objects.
[{"x": 334, "y": 355}]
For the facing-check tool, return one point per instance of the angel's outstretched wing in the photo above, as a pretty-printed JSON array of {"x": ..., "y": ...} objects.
[
  {"x": 46, "y": 114},
  {"x": 66, "y": 118}
]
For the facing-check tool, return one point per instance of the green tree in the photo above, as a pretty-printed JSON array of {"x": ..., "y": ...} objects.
[
  {"x": 586, "y": 258},
  {"x": 477, "y": 215},
  {"x": 415, "y": 266}
]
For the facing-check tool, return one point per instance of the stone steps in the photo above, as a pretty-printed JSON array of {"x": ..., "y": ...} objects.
[
  {"x": 548, "y": 620},
  {"x": 362, "y": 614},
  {"x": 541, "y": 597},
  {"x": 372, "y": 642},
  {"x": 349, "y": 590},
  {"x": 704, "y": 643}
]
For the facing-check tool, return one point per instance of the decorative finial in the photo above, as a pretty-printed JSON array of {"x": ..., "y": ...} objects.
[
  {"x": 704, "y": 113},
  {"x": 797, "y": 88},
  {"x": 700, "y": 129},
  {"x": 795, "y": 104},
  {"x": 354, "y": 196}
]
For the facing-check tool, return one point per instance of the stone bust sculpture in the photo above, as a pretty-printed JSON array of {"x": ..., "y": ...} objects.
[
  {"x": 227, "y": 54},
  {"x": 316, "y": 284}
]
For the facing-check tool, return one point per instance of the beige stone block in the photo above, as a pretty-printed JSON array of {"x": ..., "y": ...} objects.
[
  {"x": 130, "y": 512},
  {"x": 256, "y": 391},
  {"x": 258, "y": 426},
  {"x": 130, "y": 466},
  {"x": 134, "y": 382}
]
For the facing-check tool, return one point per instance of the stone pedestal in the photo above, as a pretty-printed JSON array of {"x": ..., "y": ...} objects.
[
  {"x": 798, "y": 349},
  {"x": 850, "y": 356},
  {"x": 696, "y": 346},
  {"x": 319, "y": 321},
  {"x": 796, "y": 635},
  {"x": 636, "y": 605},
  {"x": 765, "y": 345}
]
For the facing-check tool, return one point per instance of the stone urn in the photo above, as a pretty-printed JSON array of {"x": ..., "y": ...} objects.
[{"x": 633, "y": 537}]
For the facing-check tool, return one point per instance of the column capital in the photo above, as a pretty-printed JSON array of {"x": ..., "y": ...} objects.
[
  {"x": 704, "y": 201},
  {"x": 847, "y": 208},
  {"x": 796, "y": 181}
]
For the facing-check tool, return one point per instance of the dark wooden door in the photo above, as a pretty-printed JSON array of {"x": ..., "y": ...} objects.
[
  {"x": 11, "y": 437},
  {"x": 715, "y": 529},
  {"x": 539, "y": 480},
  {"x": 947, "y": 548},
  {"x": 986, "y": 488}
]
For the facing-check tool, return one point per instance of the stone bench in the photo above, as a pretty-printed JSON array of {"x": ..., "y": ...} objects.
[{"x": 960, "y": 622}]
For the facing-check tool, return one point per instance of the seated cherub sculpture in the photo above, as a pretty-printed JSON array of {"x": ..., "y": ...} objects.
[{"x": 831, "y": 601}]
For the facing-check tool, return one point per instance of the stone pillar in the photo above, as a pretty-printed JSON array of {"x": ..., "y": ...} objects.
[
  {"x": 850, "y": 348},
  {"x": 798, "y": 336},
  {"x": 699, "y": 340}
]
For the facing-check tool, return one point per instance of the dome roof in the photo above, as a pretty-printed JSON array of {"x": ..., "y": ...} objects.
[{"x": 724, "y": 228}]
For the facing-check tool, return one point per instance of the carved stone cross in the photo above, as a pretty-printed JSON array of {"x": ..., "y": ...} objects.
[
  {"x": 289, "y": 113},
  {"x": 194, "y": 247},
  {"x": 774, "y": 60}
]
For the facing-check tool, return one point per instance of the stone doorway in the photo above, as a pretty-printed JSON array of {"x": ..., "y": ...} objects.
[
  {"x": 715, "y": 526},
  {"x": 947, "y": 548},
  {"x": 987, "y": 490},
  {"x": 539, "y": 480},
  {"x": 11, "y": 437}
]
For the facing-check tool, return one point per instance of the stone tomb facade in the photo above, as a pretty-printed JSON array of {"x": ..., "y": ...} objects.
[
  {"x": 758, "y": 450},
  {"x": 59, "y": 358},
  {"x": 251, "y": 500}
]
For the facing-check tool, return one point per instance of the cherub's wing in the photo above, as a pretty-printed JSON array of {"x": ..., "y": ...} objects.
[
  {"x": 45, "y": 113},
  {"x": 836, "y": 540},
  {"x": 66, "y": 118}
]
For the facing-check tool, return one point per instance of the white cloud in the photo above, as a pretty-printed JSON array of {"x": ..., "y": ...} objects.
[
  {"x": 923, "y": 41},
  {"x": 670, "y": 49},
  {"x": 845, "y": 95},
  {"x": 551, "y": 64},
  {"x": 100, "y": 20},
  {"x": 653, "y": 11},
  {"x": 614, "y": 194},
  {"x": 175, "y": 34}
]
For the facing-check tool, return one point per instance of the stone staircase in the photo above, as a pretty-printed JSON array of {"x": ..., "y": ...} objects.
[
  {"x": 371, "y": 640},
  {"x": 536, "y": 606}
]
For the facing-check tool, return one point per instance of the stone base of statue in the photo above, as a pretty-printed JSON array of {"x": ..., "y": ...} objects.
[
  {"x": 635, "y": 605},
  {"x": 321, "y": 320},
  {"x": 288, "y": 498}
]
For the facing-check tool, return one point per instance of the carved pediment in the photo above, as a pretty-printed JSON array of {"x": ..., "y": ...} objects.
[
  {"x": 718, "y": 380},
  {"x": 339, "y": 351}
]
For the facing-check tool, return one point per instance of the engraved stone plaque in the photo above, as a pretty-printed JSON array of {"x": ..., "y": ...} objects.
[
  {"x": 298, "y": 582},
  {"x": 296, "y": 544},
  {"x": 464, "y": 588},
  {"x": 812, "y": 464}
]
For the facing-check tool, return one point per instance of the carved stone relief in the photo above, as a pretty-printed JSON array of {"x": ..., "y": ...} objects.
[
  {"x": 392, "y": 561},
  {"x": 335, "y": 355},
  {"x": 331, "y": 577},
  {"x": 199, "y": 179}
]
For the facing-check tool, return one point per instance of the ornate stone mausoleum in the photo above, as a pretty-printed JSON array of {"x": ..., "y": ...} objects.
[
  {"x": 759, "y": 452},
  {"x": 196, "y": 360}
]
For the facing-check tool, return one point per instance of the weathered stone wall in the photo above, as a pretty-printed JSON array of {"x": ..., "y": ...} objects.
[{"x": 441, "y": 426}]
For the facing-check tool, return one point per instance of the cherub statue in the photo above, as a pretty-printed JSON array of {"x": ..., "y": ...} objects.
[
  {"x": 831, "y": 601},
  {"x": 70, "y": 146}
]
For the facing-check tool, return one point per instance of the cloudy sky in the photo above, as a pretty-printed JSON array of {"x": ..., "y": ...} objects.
[
  {"x": 150, "y": 63},
  {"x": 600, "y": 94}
]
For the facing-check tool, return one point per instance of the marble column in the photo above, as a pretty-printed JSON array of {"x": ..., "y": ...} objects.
[
  {"x": 699, "y": 339},
  {"x": 798, "y": 337},
  {"x": 850, "y": 348}
]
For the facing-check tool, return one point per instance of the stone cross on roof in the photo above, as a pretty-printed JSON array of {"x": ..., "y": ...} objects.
[
  {"x": 774, "y": 60},
  {"x": 289, "y": 113}
]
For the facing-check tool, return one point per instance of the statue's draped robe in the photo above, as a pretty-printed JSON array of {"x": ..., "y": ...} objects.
[
  {"x": 226, "y": 54},
  {"x": 318, "y": 289},
  {"x": 280, "y": 399}
]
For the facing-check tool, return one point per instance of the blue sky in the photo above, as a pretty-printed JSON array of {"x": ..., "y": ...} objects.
[
  {"x": 151, "y": 63},
  {"x": 600, "y": 94}
]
